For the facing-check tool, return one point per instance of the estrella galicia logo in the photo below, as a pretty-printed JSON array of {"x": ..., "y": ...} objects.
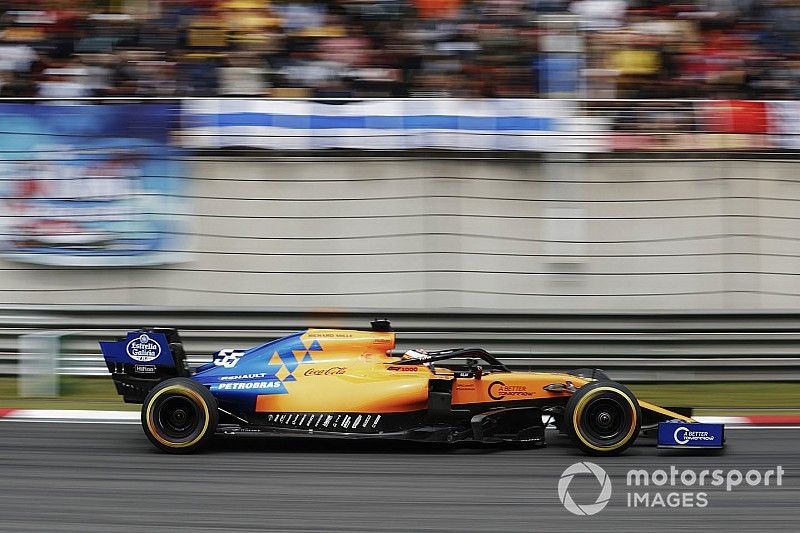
[
  {"x": 603, "y": 498},
  {"x": 143, "y": 348}
]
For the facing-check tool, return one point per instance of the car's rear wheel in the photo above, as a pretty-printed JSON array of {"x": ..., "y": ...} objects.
[
  {"x": 603, "y": 418},
  {"x": 179, "y": 415}
]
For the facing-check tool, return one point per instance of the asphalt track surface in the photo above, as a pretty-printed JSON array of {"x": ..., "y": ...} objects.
[{"x": 108, "y": 478}]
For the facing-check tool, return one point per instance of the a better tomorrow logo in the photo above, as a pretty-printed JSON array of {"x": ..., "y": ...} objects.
[{"x": 651, "y": 488}]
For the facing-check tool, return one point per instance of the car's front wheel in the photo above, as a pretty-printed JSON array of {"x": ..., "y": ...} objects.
[
  {"x": 603, "y": 418},
  {"x": 179, "y": 415}
]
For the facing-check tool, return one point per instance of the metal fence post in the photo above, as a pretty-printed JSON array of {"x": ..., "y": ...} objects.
[{"x": 38, "y": 364}]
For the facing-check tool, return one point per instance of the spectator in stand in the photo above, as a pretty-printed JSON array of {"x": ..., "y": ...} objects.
[
  {"x": 243, "y": 75},
  {"x": 471, "y": 48}
]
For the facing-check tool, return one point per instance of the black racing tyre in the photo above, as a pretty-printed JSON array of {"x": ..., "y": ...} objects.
[
  {"x": 603, "y": 418},
  {"x": 595, "y": 373},
  {"x": 179, "y": 415}
]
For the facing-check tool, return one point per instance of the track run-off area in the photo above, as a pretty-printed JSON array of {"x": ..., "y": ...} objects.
[{"x": 106, "y": 477}]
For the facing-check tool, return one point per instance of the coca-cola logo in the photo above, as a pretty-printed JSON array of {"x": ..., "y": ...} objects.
[
  {"x": 143, "y": 348},
  {"x": 332, "y": 371}
]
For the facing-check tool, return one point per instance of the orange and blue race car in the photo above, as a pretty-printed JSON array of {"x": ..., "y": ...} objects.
[{"x": 350, "y": 384}]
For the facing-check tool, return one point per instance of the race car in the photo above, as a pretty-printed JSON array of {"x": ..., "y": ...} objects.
[{"x": 339, "y": 383}]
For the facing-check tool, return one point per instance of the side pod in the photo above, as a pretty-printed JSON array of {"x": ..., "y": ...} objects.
[{"x": 517, "y": 424}]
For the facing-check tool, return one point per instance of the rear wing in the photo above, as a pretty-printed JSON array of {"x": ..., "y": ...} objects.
[{"x": 143, "y": 359}]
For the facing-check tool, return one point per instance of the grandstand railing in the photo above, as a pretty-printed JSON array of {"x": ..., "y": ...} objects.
[
  {"x": 523, "y": 125},
  {"x": 644, "y": 347}
]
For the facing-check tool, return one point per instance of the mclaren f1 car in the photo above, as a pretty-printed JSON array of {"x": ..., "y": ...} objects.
[{"x": 351, "y": 384}]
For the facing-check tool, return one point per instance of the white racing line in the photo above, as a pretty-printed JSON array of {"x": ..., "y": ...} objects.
[
  {"x": 70, "y": 421},
  {"x": 762, "y": 427},
  {"x": 730, "y": 422},
  {"x": 85, "y": 416},
  {"x": 71, "y": 416}
]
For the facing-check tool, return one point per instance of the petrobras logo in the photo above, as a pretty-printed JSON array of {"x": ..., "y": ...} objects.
[
  {"x": 250, "y": 385},
  {"x": 143, "y": 349},
  {"x": 603, "y": 496}
]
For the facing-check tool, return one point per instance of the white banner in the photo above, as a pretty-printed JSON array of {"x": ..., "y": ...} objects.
[{"x": 537, "y": 125}]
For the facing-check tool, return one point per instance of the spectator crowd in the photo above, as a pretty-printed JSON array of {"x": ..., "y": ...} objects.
[{"x": 746, "y": 49}]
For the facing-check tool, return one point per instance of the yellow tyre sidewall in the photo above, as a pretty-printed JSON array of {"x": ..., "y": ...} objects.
[
  {"x": 195, "y": 396},
  {"x": 576, "y": 417}
]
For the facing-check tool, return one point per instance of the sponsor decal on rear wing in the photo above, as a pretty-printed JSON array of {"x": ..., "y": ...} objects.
[{"x": 137, "y": 348}]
